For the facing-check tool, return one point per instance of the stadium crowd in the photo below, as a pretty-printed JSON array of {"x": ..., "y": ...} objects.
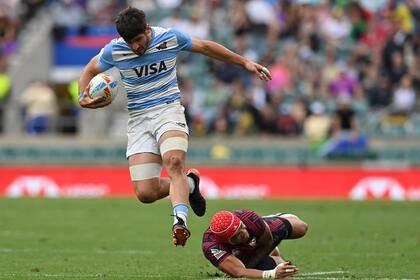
[{"x": 336, "y": 64}]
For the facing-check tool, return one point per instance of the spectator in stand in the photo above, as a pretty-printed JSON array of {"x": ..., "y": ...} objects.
[
  {"x": 401, "y": 14},
  {"x": 29, "y": 8},
  {"x": 238, "y": 18},
  {"x": 336, "y": 27},
  {"x": 343, "y": 84},
  {"x": 146, "y": 5},
  {"x": 282, "y": 76},
  {"x": 214, "y": 99},
  {"x": 317, "y": 125},
  {"x": 359, "y": 18},
  {"x": 169, "y": 4},
  {"x": 345, "y": 135},
  {"x": 357, "y": 48},
  {"x": 289, "y": 17},
  {"x": 67, "y": 15},
  {"x": 104, "y": 12},
  {"x": 404, "y": 97},
  {"x": 175, "y": 20},
  {"x": 4, "y": 94},
  {"x": 243, "y": 47},
  {"x": 287, "y": 125},
  {"x": 260, "y": 14},
  {"x": 197, "y": 25},
  {"x": 376, "y": 89},
  {"x": 398, "y": 68},
  {"x": 39, "y": 106},
  {"x": 392, "y": 53},
  {"x": 329, "y": 69},
  {"x": 415, "y": 72},
  {"x": 8, "y": 31}
]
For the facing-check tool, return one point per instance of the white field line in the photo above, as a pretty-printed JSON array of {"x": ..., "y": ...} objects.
[
  {"x": 316, "y": 273},
  {"x": 319, "y": 278},
  {"x": 308, "y": 275},
  {"x": 76, "y": 251},
  {"x": 35, "y": 275}
]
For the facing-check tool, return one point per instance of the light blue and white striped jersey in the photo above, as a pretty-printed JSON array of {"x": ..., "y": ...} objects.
[{"x": 149, "y": 79}]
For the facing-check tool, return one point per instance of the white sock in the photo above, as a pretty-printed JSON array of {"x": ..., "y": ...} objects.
[
  {"x": 191, "y": 184},
  {"x": 180, "y": 211},
  {"x": 182, "y": 216}
]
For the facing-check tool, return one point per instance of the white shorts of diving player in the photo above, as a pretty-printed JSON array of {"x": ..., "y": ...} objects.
[{"x": 144, "y": 130}]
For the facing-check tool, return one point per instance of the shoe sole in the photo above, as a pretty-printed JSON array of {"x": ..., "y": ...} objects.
[{"x": 180, "y": 236}]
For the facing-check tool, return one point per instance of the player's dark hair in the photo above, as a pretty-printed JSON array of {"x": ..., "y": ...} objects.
[{"x": 130, "y": 23}]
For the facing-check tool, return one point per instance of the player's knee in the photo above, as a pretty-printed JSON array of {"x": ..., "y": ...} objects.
[
  {"x": 174, "y": 164},
  {"x": 299, "y": 228},
  {"x": 145, "y": 195}
]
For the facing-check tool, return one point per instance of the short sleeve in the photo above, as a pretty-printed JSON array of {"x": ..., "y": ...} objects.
[
  {"x": 184, "y": 40},
  {"x": 216, "y": 253},
  {"x": 105, "y": 60}
]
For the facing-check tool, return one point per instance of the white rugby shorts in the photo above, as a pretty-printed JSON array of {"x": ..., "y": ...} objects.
[{"x": 144, "y": 130}]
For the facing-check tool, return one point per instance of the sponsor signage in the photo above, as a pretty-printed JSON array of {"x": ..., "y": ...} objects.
[{"x": 221, "y": 182}]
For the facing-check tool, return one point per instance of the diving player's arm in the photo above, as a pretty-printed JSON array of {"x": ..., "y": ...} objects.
[
  {"x": 219, "y": 52},
  {"x": 275, "y": 254},
  {"x": 263, "y": 248},
  {"x": 235, "y": 268},
  {"x": 90, "y": 71}
]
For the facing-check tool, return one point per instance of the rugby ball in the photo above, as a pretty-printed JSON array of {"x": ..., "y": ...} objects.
[{"x": 103, "y": 85}]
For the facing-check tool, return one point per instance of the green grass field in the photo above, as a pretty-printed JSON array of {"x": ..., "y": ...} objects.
[{"x": 123, "y": 239}]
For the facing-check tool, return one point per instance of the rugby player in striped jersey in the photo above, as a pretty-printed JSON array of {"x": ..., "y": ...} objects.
[{"x": 157, "y": 131}]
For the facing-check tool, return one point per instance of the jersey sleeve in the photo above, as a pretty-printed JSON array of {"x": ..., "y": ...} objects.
[
  {"x": 215, "y": 253},
  {"x": 105, "y": 60},
  {"x": 184, "y": 40},
  {"x": 213, "y": 250}
]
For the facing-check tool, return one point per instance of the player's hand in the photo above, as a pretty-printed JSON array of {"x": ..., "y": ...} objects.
[
  {"x": 87, "y": 102},
  {"x": 262, "y": 72},
  {"x": 286, "y": 269}
]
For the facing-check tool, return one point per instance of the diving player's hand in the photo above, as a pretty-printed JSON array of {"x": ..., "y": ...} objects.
[
  {"x": 262, "y": 72},
  {"x": 87, "y": 102},
  {"x": 285, "y": 269}
]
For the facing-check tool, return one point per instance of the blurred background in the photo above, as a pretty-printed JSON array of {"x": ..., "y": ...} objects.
[{"x": 345, "y": 92}]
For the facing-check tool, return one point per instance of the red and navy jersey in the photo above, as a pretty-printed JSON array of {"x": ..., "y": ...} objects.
[{"x": 216, "y": 252}]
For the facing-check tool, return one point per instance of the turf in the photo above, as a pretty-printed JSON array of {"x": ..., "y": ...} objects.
[{"x": 123, "y": 239}]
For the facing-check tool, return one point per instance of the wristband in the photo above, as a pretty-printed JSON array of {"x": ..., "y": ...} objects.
[{"x": 269, "y": 274}]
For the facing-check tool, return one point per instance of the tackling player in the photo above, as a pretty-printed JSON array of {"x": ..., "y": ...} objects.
[
  {"x": 157, "y": 130},
  {"x": 244, "y": 244}
]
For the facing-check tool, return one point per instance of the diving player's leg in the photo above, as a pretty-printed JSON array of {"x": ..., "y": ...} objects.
[
  {"x": 145, "y": 169},
  {"x": 283, "y": 226},
  {"x": 299, "y": 227}
]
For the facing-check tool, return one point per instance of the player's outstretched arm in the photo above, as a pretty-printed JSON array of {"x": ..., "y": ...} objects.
[
  {"x": 91, "y": 70},
  {"x": 235, "y": 268},
  {"x": 217, "y": 51}
]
